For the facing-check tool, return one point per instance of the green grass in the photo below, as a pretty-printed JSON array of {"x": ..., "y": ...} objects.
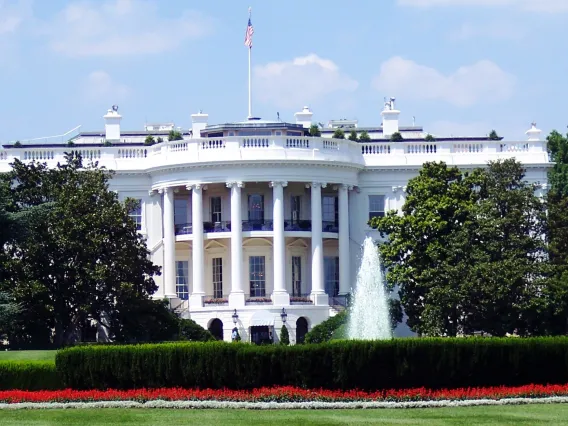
[
  {"x": 553, "y": 414},
  {"x": 27, "y": 355}
]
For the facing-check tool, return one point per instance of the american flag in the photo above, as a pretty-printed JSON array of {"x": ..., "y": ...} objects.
[{"x": 248, "y": 35}]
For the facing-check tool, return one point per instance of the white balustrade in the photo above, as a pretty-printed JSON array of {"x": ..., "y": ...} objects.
[{"x": 281, "y": 148}]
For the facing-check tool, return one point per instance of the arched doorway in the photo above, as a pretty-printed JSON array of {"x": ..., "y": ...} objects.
[
  {"x": 216, "y": 328},
  {"x": 301, "y": 329}
]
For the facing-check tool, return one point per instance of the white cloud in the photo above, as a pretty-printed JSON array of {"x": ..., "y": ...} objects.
[
  {"x": 299, "y": 82},
  {"x": 100, "y": 86},
  {"x": 483, "y": 81},
  {"x": 13, "y": 14},
  {"x": 549, "y": 6},
  {"x": 121, "y": 27}
]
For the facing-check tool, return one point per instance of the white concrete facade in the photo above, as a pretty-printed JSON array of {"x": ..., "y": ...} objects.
[{"x": 301, "y": 205}]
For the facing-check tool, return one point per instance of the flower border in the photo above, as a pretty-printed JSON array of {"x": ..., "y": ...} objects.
[{"x": 317, "y": 405}]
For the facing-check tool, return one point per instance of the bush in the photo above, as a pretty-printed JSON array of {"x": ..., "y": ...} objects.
[
  {"x": 324, "y": 331},
  {"x": 190, "y": 330},
  {"x": 29, "y": 375},
  {"x": 372, "y": 365},
  {"x": 284, "y": 336}
]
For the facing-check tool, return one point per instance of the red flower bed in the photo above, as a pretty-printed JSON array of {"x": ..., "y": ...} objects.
[{"x": 283, "y": 394}]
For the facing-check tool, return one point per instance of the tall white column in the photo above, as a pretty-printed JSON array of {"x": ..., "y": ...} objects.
[
  {"x": 169, "y": 244},
  {"x": 198, "y": 293},
  {"x": 318, "y": 295},
  {"x": 237, "y": 295},
  {"x": 344, "y": 271},
  {"x": 279, "y": 296}
]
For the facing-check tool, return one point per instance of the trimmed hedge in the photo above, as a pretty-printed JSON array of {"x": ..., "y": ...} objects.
[
  {"x": 399, "y": 363},
  {"x": 29, "y": 375}
]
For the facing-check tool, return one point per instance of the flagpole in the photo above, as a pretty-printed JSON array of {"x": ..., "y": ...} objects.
[{"x": 249, "y": 75}]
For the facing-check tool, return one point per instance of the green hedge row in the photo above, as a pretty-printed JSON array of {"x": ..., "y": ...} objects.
[
  {"x": 400, "y": 363},
  {"x": 29, "y": 375}
]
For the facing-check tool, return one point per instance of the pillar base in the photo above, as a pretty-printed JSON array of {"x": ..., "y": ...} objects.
[
  {"x": 320, "y": 299},
  {"x": 196, "y": 300},
  {"x": 282, "y": 298},
  {"x": 237, "y": 300}
]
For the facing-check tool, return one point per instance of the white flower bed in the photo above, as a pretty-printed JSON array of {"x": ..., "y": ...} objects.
[{"x": 281, "y": 405}]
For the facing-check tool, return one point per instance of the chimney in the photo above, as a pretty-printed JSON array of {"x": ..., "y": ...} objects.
[
  {"x": 198, "y": 123},
  {"x": 304, "y": 117},
  {"x": 390, "y": 118},
  {"x": 533, "y": 133},
  {"x": 112, "y": 124}
]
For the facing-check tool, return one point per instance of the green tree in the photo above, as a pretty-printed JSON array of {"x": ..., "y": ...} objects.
[
  {"x": 83, "y": 257},
  {"x": 338, "y": 134},
  {"x": 175, "y": 135},
  {"x": 284, "y": 336},
  {"x": 160, "y": 139},
  {"x": 429, "y": 138},
  {"x": 396, "y": 137},
  {"x": 9, "y": 311},
  {"x": 364, "y": 136},
  {"x": 494, "y": 136},
  {"x": 149, "y": 141},
  {"x": 467, "y": 252},
  {"x": 314, "y": 130},
  {"x": 353, "y": 136}
]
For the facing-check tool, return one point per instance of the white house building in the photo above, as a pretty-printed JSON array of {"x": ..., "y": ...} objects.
[{"x": 256, "y": 223}]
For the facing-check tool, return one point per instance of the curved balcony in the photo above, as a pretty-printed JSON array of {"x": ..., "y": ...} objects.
[{"x": 262, "y": 225}]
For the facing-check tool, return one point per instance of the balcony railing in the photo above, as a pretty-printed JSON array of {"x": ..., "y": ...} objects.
[
  {"x": 257, "y": 225},
  {"x": 329, "y": 226},
  {"x": 297, "y": 225}
]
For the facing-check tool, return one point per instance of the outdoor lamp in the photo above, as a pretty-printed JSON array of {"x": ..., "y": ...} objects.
[
  {"x": 283, "y": 315},
  {"x": 235, "y": 317}
]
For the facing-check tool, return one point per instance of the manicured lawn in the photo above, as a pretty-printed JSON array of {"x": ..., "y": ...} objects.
[
  {"x": 27, "y": 355},
  {"x": 553, "y": 414}
]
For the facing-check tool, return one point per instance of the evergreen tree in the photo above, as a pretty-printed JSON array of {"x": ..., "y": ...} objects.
[{"x": 284, "y": 336}]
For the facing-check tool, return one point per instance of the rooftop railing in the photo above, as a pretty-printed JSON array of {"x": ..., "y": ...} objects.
[{"x": 283, "y": 148}]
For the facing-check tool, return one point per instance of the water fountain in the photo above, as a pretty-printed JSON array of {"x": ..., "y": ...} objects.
[{"x": 369, "y": 317}]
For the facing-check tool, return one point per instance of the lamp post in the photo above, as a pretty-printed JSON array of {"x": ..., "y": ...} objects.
[
  {"x": 283, "y": 315},
  {"x": 235, "y": 317}
]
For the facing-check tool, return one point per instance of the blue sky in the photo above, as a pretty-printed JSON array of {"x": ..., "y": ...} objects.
[{"x": 460, "y": 67}]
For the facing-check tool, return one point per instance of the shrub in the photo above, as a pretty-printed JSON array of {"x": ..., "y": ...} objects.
[
  {"x": 339, "y": 134},
  {"x": 368, "y": 365},
  {"x": 149, "y": 141},
  {"x": 29, "y": 375},
  {"x": 314, "y": 130},
  {"x": 353, "y": 136},
  {"x": 396, "y": 137},
  {"x": 284, "y": 336},
  {"x": 323, "y": 332},
  {"x": 190, "y": 330},
  {"x": 364, "y": 136},
  {"x": 175, "y": 135}
]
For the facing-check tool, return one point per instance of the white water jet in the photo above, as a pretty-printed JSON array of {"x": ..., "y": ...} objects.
[{"x": 369, "y": 317}]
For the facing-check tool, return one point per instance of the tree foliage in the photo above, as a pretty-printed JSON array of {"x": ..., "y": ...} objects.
[
  {"x": 364, "y": 136},
  {"x": 338, "y": 134},
  {"x": 468, "y": 253},
  {"x": 353, "y": 136},
  {"x": 149, "y": 141},
  {"x": 396, "y": 137},
  {"x": 284, "y": 336},
  {"x": 175, "y": 135},
  {"x": 314, "y": 130},
  {"x": 82, "y": 256}
]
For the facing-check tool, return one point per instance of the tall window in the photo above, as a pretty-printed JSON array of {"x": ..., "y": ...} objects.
[
  {"x": 256, "y": 208},
  {"x": 331, "y": 275},
  {"x": 329, "y": 209},
  {"x": 180, "y": 211},
  {"x": 376, "y": 206},
  {"x": 182, "y": 283},
  {"x": 217, "y": 277},
  {"x": 296, "y": 275},
  {"x": 215, "y": 209},
  {"x": 295, "y": 204},
  {"x": 257, "y": 276},
  {"x": 136, "y": 214}
]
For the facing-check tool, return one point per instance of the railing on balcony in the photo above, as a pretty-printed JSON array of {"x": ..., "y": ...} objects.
[
  {"x": 223, "y": 226},
  {"x": 297, "y": 225},
  {"x": 329, "y": 226},
  {"x": 183, "y": 229},
  {"x": 258, "y": 225}
]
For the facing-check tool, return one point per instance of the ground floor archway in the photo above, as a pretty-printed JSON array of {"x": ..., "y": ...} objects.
[
  {"x": 216, "y": 328},
  {"x": 301, "y": 329}
]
